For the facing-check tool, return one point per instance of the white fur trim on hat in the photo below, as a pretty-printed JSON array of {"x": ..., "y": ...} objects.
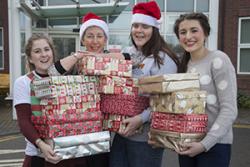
[
  {"x": 94, "y": 22},
  {"x": 145, "y": 19}
]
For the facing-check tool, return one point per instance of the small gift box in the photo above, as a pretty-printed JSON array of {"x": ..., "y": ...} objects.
[
  {"x": 113, "y": 122},
  {"x": 98, "y": 65},
  {"x": 68, "y": 129},
  {"x": 129, "y": 105},
  {"x": 189, "y": 102},
  {"x": 174, "y": 140},
  {"x": 118, "y": 85},
  {"x": 183, "y": 123},
  {"x": 69, "y": 147}
]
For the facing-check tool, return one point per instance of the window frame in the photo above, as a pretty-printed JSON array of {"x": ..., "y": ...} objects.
[
  {"x": 241, "y": 46},
  {"x": 2, "y": 48}
]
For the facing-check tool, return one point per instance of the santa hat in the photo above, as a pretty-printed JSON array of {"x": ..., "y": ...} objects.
[
  {"x": 147, "y": 13},
  {"x": 90, "y": 19}
]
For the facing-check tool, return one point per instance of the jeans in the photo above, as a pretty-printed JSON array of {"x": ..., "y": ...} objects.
[
  {"x": 128, "y": 153},
  {"x": 217, "y": 156}
]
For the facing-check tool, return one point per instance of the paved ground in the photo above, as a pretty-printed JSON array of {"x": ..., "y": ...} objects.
[{"x": 9, "y": 126}]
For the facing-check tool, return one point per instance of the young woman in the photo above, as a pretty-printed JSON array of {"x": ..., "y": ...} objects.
[
  {"x": 40, "y": 54},
  {"x": 150, "y": 56},
  {"x": 217, "y": 77}
]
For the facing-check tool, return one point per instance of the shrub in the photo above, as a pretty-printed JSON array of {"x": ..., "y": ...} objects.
[{"x": 243, "y": 100}]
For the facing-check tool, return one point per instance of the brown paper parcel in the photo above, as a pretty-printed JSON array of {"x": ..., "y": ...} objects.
[
  {"x": 172, "y": 140},
  {"x": 168, "y": 78},
  {"x": 187, "y": 102},
  {"x": 167, "y": 87}
]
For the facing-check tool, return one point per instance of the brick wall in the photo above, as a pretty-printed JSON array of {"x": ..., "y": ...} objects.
[
  {"x": 4, "y": 20},
  {"x": 230, "y": 11}
]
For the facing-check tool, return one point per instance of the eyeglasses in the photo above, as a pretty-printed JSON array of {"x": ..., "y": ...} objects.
[{"x": 92, "y": 37}]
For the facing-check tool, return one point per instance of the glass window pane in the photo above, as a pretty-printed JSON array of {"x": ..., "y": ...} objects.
[
  {"x": 23, "y": 64},
  {"x": 161, "y": 4},
  {"x": 180, "y": 5},
  {"x": 202, "y": 5},
  {"x": 130, "y": 5},
  {"x": 63, "y": 23},
  {"x": 123, "y": 40},
  {"x": 121, "y": 22},
  {"x": 245, "y": 33},
  {"x": 1, "y": 59},
  {"x": 64, "y": 46},
  {"x": 244, "y": 60},
  {"x": 22, "y": 42},
  {"x": 92, "y": 1},
  {"x": 1, "y": 37},
  {"x": 170, "y": 20}
]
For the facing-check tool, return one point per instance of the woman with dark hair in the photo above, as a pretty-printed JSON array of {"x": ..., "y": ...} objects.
[
  {"x": 217, "y": 77},
  {"x": 150, "y": 55}
]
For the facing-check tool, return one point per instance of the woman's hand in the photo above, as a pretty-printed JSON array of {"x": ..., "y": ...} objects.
[
  {"x": 49, "y": 154},
  {"x": 132, "y": 124},
  {"x": 191, "y": 149}
]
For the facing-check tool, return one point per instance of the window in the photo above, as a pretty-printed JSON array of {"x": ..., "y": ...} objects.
[
  {"x": 1, "y": 49},
  {"x": 244, "y": 46},
  {"x": 187, "y": 5}
]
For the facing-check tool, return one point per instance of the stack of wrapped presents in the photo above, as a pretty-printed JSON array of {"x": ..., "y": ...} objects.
[
  {"x": 119, "y": 91},
  {"x": 178, "y": 109},
  {"x": 67, "y": 108}
]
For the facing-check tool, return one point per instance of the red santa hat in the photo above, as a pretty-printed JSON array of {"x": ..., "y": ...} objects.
[
  {"x": 90, "y": 19},
  {"x": 147, "y": 13}
]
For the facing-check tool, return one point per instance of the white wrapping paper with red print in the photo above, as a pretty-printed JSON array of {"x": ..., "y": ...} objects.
[
  {"x": 68, "y": 129},
  {"x": 64, "y": 86},
  {"x": 182, "y": 123},
  {"x": 169, "y": 78},
  {"x": 113, "y": 122},
  {"x": 174, "y": 140},
  {"x": 186, "y": 102},
  {"x": 129, "y": 105},
  {"x": 105, "y": 66},
  {"x": 118, "y": 85},
  {"x": 69, "y": 147}
]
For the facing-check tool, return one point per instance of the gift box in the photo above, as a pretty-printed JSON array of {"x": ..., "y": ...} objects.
[
  {"x": 66, "y": 118},
  {"x": 64, "y": 86},
  {"x": 68, "y": 129},
  {"x": 189, "y": 102},
  {"x": 167, "y": 87},
  {"x": 92, "y": 65},
  {"x": 113, "y": 122},
  {"x": 182, "y": 123},
  {"x": 129, "y": 105},
  {"x": 118, "y": 85},
  {"x": 174, "y": 140},
  {"x": 80, "y": 145},
  {"x": 169, "y": 78}
]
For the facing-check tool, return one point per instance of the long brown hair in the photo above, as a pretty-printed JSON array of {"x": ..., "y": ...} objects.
[
  {"x": 203, "y": 20},
  {"x": 156, "y": 44},
  {"x": 29, "y": 45}
]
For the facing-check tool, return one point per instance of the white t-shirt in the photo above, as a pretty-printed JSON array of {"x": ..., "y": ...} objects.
[{"x": 21, "y": 96}]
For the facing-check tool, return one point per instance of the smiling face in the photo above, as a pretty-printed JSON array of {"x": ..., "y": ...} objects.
[
  {"x": 141, "y": 34},
  {"x": 41, "y": 56},
  {"x": 191, "y": 36},
  {"x": 94, "y": 39}
]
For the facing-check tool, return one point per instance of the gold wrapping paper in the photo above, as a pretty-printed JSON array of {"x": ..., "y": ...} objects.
[
  {"x": 173, "y": 140},
  {"x": 187, "y": 102},
  {"x": 167, "y": 87},
  {"x": 169, "y": 77}
]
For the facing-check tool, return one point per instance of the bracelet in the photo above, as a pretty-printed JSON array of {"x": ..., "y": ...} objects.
[{"x": 75, "y": 56}]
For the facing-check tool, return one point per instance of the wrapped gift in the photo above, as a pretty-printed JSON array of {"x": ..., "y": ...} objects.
[
  {"x": 129, "y": 105},
  {"x": 174, "y": 140},
  {"x": 167, "y": 87},
  {"x": 169, "y": 78},
  {"x": 118, "y": 85},
  {"x": 183, "y": 123},
  {"x": 106, "y": 66},
  {"x": 68, "y": 129},
  {"x": 113, "y": 122},
  {"x": 66, "y": 118},
  {"x": 189, "y": 102},
  {"x": 64, "y": 86},
  {"x": 80, "y": 145}
]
